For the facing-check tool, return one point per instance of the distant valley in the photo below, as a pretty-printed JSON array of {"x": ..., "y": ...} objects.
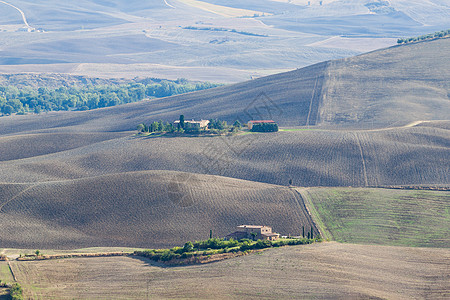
[{"x": 152, "y": 39}]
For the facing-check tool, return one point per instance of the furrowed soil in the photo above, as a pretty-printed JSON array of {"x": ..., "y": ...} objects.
[
  {"x": 144, "y": 209},
  {"x": 324, "y": 271},
  {"x": 107, "y": 190},
  {"x": 382, "y": 216}
]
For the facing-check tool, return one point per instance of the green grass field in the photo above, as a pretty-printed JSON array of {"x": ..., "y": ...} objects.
[
  {"x": 382, "y": 216},
  {"x": 5, "y": 276}
]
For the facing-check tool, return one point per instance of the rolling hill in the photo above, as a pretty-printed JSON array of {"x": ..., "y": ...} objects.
[
  {"x": 138, "y": 38},
  {"x": 139, "y": 209},
  {"x": 341, "y": 127},
  {"x": 390, "y": 87}
]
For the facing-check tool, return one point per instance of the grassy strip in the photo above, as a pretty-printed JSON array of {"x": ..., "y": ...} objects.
[
  {"x": 413, "y": 218},
  {"x": 14, "y": 290},
  {"x": 74, "y": 255},
  {"x": 206, "y": 251},
  {"x": 315, "y": 215}
]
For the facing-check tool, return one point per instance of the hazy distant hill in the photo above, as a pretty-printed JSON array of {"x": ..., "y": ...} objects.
[
  {"x": 390, "y": 87},
  {"x": 241, "y": 39}
]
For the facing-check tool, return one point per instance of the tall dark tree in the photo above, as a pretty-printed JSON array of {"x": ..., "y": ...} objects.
[{"x": 182, "y": 121}]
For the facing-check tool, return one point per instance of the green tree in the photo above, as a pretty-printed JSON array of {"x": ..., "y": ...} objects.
[
  {"x": 141, "y": 127},
  {"x": 188, "y": 247},
  {"x": 182, "y": 121},
  {"x": 161, "y": 126},
  {"x": 7, "y": 110}
]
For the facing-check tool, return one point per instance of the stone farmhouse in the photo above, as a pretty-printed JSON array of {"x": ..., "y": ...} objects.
[
  {"x": 202, "y": 124},
  {"x": 256, "y": 232}
]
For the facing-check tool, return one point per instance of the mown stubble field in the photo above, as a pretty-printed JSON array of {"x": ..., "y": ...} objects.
[{"x": 320, "y": 271}]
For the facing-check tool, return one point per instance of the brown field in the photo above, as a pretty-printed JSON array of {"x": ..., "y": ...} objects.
[
  {"x": 375, "y": 90},
  {"x": 143, "y": 209},
  {"x": 404, "y": 156},
  {"x": 319, "y": 271},
  {"x": 127, "y": 191}
]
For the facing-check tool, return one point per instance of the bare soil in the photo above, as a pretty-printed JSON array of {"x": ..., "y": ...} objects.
[{"x": 325, "y": 271}]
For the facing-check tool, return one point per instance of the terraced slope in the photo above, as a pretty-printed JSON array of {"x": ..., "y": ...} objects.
[
  {"x": 144, "y": 209},
  {"x": 320, "y": 271}
]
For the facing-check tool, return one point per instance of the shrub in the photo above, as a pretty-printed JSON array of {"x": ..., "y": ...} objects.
[
  {"x": 188, "y": 247},
  {"x": 262, "y": 244},
  {"x": 265, "y": 127},
  {"x": 16, "y": 292}
]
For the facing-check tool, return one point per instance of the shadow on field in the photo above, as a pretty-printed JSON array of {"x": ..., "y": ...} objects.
[
  {"x": 150, "y": 263},
  {"x": 5, "y": 297}
]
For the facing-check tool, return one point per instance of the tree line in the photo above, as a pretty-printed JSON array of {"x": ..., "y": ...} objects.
[
  {"x": 218, "y": 246},
  {"x": 23, "y": 100},
  {"x": 436, "y": 35},
  {"x": 214, "y": 126}
]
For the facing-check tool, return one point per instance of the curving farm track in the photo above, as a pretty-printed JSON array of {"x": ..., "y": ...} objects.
[{"x": 20, "y": 11}]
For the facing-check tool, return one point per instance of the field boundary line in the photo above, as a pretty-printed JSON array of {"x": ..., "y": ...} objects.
[
  {"x": 366, "y": 181},
  {"x": 303, "y": 205},
  {"x": 311, "y": 102},
  {"x": 315, "y": 217},
  {"x": 12, "y": 272},
  {"x": 17, "y": 195}
]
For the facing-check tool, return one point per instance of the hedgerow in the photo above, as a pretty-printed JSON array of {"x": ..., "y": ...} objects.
[
  {"x": 218, "y": 246},
  {"x": 438, "y": 34}
]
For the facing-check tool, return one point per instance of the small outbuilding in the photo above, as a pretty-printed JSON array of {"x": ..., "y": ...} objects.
[{"x": 254, "y": 122}]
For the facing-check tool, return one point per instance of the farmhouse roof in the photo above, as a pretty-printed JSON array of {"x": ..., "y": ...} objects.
[
  {"x": 270, "y": 234},
  {"x": 192, "y": 121},
  {"x": 251, "y": 226},
  {"x": 262, "y": 121}
]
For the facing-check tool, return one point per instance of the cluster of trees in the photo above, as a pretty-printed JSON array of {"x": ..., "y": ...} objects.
[
  {"x": 157, "y": 127},
  {"x": 214, "y": 126},
  {"x": 22, "y": 100},
  {"x": 225, "y": 29},
  {"x": 265, "y": 127},
  {"x": 218, "y": 246},
  {"x": 439, "y": 34}
]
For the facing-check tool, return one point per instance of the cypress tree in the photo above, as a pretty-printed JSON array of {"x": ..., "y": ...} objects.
[
  {"x": 210, "y": 233},
  {"x": 303, "y": 231},
  {"x": 312, "y": 235},
  {"x": 182, "y": 121}
]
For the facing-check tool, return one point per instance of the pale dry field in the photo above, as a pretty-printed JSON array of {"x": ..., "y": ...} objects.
[
  {"x": 324, "y": 271},
  {"x": 220, "y": 10},
  {"x": 375, "y": 90}
]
